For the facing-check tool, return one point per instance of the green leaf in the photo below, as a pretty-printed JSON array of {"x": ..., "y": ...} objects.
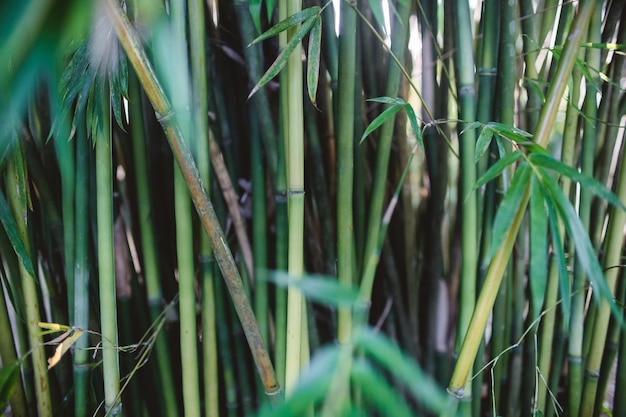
[
  {"x": 388, "y": 100},
  {"x": 318, "y": 288},
  {"x": 414, "y": 125},
  {"x": 10, "y": 227},
  {"x": 558, "y": 249},
  {"x": 591, "y": 184},
  {"x": 269, "y": 8},
  {"x": 255, "y": 13},
  {"x": 313, "y": 59},
  {"x": 508, "y": 207},
  {"x": 471, "y": 126},
  {"x": 393, "y": 360},
  {"x": 282, "y": 59},
  {"x": 291, "y": 21},
  {"x": 8, "y": 377},
  {"x": 483, "y": 142},
  {"x": 380, "y": 119},
  {"x": 497, "y": 168},
  {"x": 377, "y": 391},
  {"x": 538, "y": 268},
  {"x": 377, "y": 10},
  {"x": 575, "y": 229}
]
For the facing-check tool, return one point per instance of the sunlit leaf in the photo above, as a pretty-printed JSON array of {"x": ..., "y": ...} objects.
[
  {"x": 282, "y": 59},
  {"x": 576, "y": 231},
  {"x": 393, "y": 360},
  {"x": 313, "y": 59},
  {"x": 538, "y": 266},
  {"x": 63, "y": 347},
  {"x": 289, "y": 22},
  {"x": 380, "y": 119},
  {"x": 387, "y": 100},
  {"x": 318, "y": 288},
  {"x": 508, "y": 207},
  {"x": 10, "y": 227},
  {"x": 591, "y": 184}
]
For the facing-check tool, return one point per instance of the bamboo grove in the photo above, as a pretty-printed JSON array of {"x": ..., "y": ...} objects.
[{"x": 289, "y": 208}]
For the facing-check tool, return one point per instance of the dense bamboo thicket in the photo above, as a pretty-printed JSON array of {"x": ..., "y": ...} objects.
[{"x": 289, "y": 208}]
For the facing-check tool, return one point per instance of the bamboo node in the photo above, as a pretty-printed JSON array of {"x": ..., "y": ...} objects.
[
  {"x": 457, "y": 393},
  {"x": 165, "y": 117}
]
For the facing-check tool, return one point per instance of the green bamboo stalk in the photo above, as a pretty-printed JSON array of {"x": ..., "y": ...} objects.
[
  {"x": 495, "y": 272},
  {"x": 187, "y": 294},
  {"x": 184, "y": 235},
  {"x": 136, "y": 55},
  {"x": 201, "y": 133},
  {"x": 295, "y": 183},
  {"x": 534, "y": 90},
  {"x": 576, "y": 325},
  {"x": 106, "y": 262},
  {"x": 619, "y": 403},
  {"x": 81, "y": 273},
  {"x": 8, "y": 353},
  {"x": 150, "y": 265},
  {"x": 345, "y": 162},
  {"x": 612, "y": 257},
  {"x": 399, "y": 38}
]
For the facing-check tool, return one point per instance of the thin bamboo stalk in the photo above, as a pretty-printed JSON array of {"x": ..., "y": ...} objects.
[
  {"x": 106, "y": 262},
  {"x": 345, "y": 162}
]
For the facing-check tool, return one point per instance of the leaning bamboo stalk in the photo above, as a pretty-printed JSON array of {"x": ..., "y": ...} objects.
[
  {"x": 137, "y": 57},
  {"x": 495, "y": 272}
]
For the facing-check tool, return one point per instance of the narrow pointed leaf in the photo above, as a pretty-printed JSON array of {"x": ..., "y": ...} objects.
[
  {"x": 313, "y": 59},
  {"x": 377, "y": 10},
  {"x": 255, "y": 13},
  {"x": 584, "y": 250},
  {"x": 591, "y": 184},
  {"x": 393, "y": 360},
  {"x": 557, "y": 247},
  {"x": 318, "y": 288},
  {"x": 387, "y": 100},
  {"x": 10, "y": 227},
  {"x": 8, "y": 377},
  {"x": 376, "y": 391},
  {"x": 282, "y": 59},
  {"x": 289, "y": 22},
  {"x": 380, "y": 119},
  {"x": 414, "y": 125},
  {"x": 538, "y": 267},
  {"x": 497, "y": 168},
  {"x": 471, "y": 126},
  {"x": 508, "y": 207},
  {"x": 483, "y": 142}
]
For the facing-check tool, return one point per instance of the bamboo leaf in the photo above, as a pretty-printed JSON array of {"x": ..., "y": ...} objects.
[
  {"x": 281, "y": 60},
  {"x": 414, "y": 125},
  {"x": 387, "y": 100},
  {"x": 291, "y": 21},
  {"x": 557, "y": 247},
  {"x": 508, "y": 207},
  {"x": 269, "y": 8},
  {"x": 313, "y": 59},
  {"x": 8, "y": 377},
  {"x": 471, "y": 126},
  {"x": 584, "y": 250},
  {"x": 497, "y": 168},
  {"x": 393, "y": 360},
  {"x": 10, "y": 227},
  {"x": 318, "y": 288},
  {"x": 483, "y": 142},
  {"x": 377, "y": 10},
  {"x": 63, "y": 347},
  {"x": 255, "y": 13},
  {"x": 380, "y": 119},
  {"x": 377, "y": 391},
  {"x": 591, "y": 184},
  {"x": 538, "y": 268}
]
